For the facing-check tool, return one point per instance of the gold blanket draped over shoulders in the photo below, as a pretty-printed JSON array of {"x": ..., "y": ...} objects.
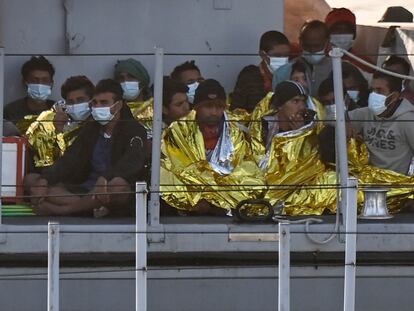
[
  {"x": 46, "y": 144},
  {"x": 143, "y": 111},
  {"x": 188, "y": 177}
]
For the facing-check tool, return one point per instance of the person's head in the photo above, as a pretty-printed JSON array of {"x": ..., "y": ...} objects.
[
  {"x": 210, "y": 102},
  {"x": 175, "y": 103},
  {"x": 342, "y": 27},
  {"x": 355, "y": 83},
  {"x": 326, "y": 94},
  {"x": 77, "y": 92},
  {"x": 134, "y": 79},
  {"x": 298, "y": 73},
  {"x": 37, "y": 76},
  {"x": 289, "y": 100},
  {"x": 249, "y": 89},
  {"x": 313, "y": 38},
  {"x": 189, "y": 74},
  {"x": 397, "y": 64},
  {"x": 107, "y": 101},
  {"x": 385, "y": 92},
  {"x": 274, "y": 49}
]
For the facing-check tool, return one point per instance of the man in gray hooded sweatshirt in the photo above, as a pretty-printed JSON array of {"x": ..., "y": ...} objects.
[{"x": 386, "y": 125}]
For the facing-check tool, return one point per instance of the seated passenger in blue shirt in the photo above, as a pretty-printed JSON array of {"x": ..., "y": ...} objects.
[{"x": 101, "y": 166}]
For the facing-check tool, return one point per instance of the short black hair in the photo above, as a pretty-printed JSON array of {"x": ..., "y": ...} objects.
[
  {"x": 111, "y": 86},
  {"x": 351, "y": 71},
  {"x": 77, "y": 83},
  {"x": 326, "y": 87},
  {"x": 170, "y": 88},
  {"x": 37, "y": 63},
  {"x": 272, "y": 38},
  {"x": 313, "y": 25},
  {"x": 298, "y": 66},
  {"x": 396, "y": 60},
  {"x": 394, "y": 83},
  {"x": 188, "y": 65}
]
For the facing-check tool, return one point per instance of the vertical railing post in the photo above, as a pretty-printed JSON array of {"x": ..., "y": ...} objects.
[
  {"x": 141, "y": 247},
  {"x": 154, "y": 207},
  {"x": 340, "y": 128},
  {"x": 350, "y": 244},
  {"x": 53, "y": 249},
  {"x": 284, "y": 268},
  {"x": 1, "y": 124}
]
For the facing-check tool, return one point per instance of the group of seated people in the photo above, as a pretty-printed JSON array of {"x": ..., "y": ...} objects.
[{"x": 271, "y": 138}]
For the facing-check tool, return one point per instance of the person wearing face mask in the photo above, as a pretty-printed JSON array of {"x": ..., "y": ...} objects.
[
  {"x": 189, "y": 74},
  {"x": 99, "y": 170},
  {"x": 341, "y": 23},
  {"x": 400, "y": 65},
  {"x": 274, "y": 51},
  {"x": 383, "y": 125},
  {"x": 204, "y": 149},
  {"x": 135, "y": 80},
  {"x": 55, "y": 129},
  {"x": 37, "y": 76}
]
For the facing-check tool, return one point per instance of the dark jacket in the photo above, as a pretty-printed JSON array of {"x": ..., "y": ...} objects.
[{"x": 127, "y": 153}]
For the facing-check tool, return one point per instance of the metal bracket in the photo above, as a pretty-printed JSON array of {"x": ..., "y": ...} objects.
[{"x": 156, "y": 234}]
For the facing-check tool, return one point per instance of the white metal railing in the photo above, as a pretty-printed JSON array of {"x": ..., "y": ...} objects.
[
  {"x": 1, "y": 120},
  {"x": 53, "y": 249}
]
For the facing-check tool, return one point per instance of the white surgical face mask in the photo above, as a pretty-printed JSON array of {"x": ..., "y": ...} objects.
[
  {"x": 131, "y": 89},
  {"x": 330, "y": 112},
  {"x": 78, "y": 112},
  {"x": 314, "y": 58},
  {"x": 191, "y": 91},
  {"x": 102, "y": 115},
  {"x": 354, "y": 95},
  {"x": 39, "y": 92},
  {"x": 276, "y": 62},
  {"x": 343, "y": 41},
  {"x": 376, "y": 103}
]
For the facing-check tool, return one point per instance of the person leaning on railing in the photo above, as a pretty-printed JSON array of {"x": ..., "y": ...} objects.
[{"x": 101, "y": 166}]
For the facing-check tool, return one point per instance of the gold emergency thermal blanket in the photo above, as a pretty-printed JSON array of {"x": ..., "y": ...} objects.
[
  {"x": 143, "y": 111},
  {"x": 46, "y": 144},
  {"x": 224, "y": 180}
]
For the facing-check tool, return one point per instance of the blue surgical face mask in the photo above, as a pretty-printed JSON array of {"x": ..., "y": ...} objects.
[
  {"x": 78, "y": 112},
  {"x": 343, "y": 41},
  {"x": 102, "y": 115},
  {"x": 39, "y": 92},
  {"x": 314, "y": 58},
  {"x": 354, "y": 95},
  {"x": 131, "y": 89},
  {"x": 276, "y": 62},
  {"x": 376, "y": 103},
  {"x": 191, "y": 91}
]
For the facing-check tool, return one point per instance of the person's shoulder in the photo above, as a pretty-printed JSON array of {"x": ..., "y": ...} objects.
[
  {"x": 360, "y": 113},
  {"x": 16, "y": 104}
]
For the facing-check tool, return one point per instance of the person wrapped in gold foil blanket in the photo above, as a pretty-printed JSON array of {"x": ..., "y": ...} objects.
[
  {"x": 206, "y": 166},
  {"x": 55, "y": 129}
]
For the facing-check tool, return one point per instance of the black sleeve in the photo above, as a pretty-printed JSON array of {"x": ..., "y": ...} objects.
[
  {"x": 70, "y": 166},
  {"x": 131, "y": 163}
]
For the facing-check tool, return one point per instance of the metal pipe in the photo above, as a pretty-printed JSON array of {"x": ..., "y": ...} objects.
[
  {"x": 156, "y": 139},
  {"x": 1, "y": 123},
  {"x": 341, "y": 143},
  {"x": 350, "y": 245},
  {"x": 284, "y": 268},
  {"x": 141, "y": 246},
  {"x": 53, "y": 266}
]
